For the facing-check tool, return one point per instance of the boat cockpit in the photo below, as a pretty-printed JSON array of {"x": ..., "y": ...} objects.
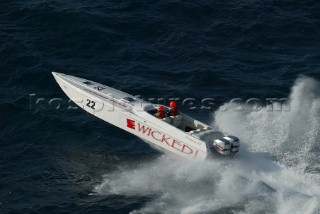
[{"x": 180, "y": 121}]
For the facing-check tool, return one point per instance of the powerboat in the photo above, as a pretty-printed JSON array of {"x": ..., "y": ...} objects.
[{"x": 179, "y": 134}]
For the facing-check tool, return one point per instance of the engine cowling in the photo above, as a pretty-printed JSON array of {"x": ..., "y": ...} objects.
[{"x": 227, "y": 145}]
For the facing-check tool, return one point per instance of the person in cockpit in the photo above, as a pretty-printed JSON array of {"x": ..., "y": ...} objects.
[
  {"x": 161, "y": 112},
  {"x": 173, "y": 111}
]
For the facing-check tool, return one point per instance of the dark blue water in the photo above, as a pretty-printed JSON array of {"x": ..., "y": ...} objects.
[{"x": 61, "y": 160}]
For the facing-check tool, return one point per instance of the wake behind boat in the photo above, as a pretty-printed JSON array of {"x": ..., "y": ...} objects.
[{"x": 179, "y": 134}]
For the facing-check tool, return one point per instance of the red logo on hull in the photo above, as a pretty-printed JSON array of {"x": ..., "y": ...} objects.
[
  {"x": 131, "y": 124},
  {"x": 160, "y": 137}
]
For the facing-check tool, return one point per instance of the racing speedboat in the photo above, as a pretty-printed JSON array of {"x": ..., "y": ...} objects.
[{"x": 179, "y": 134}]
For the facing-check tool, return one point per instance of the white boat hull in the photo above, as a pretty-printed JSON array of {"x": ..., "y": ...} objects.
[{"x": 107, "y": 104}]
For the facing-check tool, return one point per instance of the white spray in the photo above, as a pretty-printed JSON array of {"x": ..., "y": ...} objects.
[{"x": 275, "y": 172}]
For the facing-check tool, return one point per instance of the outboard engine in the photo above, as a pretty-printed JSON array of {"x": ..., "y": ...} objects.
[{"x": 227, "y": 145}]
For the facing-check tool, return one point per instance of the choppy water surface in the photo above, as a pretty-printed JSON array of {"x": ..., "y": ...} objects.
[{"x": 60, "y": 160}]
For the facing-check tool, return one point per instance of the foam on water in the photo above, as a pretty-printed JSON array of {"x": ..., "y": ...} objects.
[
  {"x": 291, "y": 134},
  {"x": 284, "y": 181}
]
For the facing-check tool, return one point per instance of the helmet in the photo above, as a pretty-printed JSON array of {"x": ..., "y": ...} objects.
[
  {"x": 173, "y": 104},
  {"x": 161, "y": 108}
]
